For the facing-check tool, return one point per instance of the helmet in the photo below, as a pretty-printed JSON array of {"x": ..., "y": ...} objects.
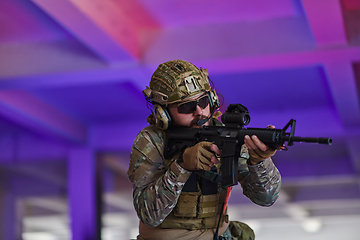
[{"x": 175, "y": 81}]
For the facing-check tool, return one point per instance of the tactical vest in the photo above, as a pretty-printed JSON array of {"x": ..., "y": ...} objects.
[{"x": 199, "y": 205}]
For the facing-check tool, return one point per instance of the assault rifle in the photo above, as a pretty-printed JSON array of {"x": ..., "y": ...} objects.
[{"x": 230, "y": 138}]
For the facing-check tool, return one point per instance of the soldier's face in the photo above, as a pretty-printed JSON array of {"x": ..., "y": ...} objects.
[{"x": 188, "y": 115}]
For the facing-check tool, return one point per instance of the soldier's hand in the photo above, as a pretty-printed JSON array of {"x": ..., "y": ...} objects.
[
  {"x": 258, "y": 151},
  {"x": 200, "y": 156}
]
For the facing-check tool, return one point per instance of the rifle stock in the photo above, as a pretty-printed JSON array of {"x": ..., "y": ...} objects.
[{"x": 230, "y": 138}]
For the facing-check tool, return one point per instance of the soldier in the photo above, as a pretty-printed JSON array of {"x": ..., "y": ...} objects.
[{"x": 170, "y": 199}]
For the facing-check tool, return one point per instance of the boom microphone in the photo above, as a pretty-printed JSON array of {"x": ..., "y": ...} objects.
[{"x": 201, "y": 122}]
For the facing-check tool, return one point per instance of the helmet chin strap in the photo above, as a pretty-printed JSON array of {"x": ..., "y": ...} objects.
[{"x": 201, "y": 122}]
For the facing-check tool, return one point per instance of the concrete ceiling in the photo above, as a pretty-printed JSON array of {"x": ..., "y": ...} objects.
[{"x": 72, "y": 72}]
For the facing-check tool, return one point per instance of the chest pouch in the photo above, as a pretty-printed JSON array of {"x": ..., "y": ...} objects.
[{"x": 198, "y": 199}]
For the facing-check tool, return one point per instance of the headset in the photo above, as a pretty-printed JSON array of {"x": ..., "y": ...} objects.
[{"x": 162, "y": 116}]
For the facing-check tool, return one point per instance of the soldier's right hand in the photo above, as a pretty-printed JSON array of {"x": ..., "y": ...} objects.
[{"x": 200, "y": 156}]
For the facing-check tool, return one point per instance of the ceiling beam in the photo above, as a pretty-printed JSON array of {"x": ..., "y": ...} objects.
[
  {"x": 85, "y": 29},
  {"x": 37, "y": 116},
  {"x": 280, "y": 61},
  {"x": 326, "y": 21},
  {"x": 343, "y": 87},
  {"x": 124, "y": 72},
  {"x": 112, "y": 29},
  {"x": 48, "y": 57},
  {"x": 140, "y": 74}
]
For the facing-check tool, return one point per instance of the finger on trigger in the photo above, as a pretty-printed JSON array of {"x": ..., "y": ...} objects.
[
  {"x": 214, "y": 160},
  {"x": 215, "y": 149}
]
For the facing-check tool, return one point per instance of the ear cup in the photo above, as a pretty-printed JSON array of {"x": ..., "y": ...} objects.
[{"x": 162, "y": 117}]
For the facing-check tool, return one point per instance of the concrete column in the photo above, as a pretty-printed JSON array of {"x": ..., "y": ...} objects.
[
  {"x": 84, "y": 194},
  {"x": 11, "y": 213}
]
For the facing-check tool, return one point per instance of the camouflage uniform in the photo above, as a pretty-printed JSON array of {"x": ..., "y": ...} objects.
[
  {"x": 163, "y": 192},
  {"x": 158, "y": 183}
]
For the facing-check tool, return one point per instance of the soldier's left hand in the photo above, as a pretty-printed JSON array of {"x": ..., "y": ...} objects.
[{"x": 258, "y": 151}]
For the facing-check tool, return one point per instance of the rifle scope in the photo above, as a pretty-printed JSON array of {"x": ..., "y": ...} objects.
[{"x": 236, "y": 114}]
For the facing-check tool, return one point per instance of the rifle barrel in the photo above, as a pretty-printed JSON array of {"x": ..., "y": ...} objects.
[{"x": 321, "y": 140}]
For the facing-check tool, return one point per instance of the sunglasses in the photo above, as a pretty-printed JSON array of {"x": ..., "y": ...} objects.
[{"x": 190, "y": 107}]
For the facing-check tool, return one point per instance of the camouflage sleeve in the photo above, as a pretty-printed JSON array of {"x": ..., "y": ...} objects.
[
  {"x": 155, "y": 189},
  {"x": 261, "y": 183}
]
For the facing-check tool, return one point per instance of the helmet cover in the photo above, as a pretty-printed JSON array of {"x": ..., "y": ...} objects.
[{"x": 176, "y": 80}]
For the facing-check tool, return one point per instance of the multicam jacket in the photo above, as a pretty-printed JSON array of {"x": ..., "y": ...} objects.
[{"x": 157, "y": 186}]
